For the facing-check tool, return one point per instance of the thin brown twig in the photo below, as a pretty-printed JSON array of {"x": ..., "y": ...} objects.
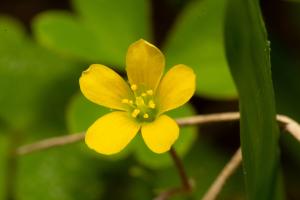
[
  {"x": 226, "y": 172},
  {"x": 289, "y": 124},
  {"x": 68, "y": 139},
  {"x": 209, "y": 118},
  {"x": 186, "y": 185},
  {"x": 49, "y": 143}
]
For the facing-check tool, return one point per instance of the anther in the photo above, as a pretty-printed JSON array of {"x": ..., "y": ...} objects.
[
  {"x": 151, "y": 104},
  {"x": 134, "y": 87},
  {"x": 144, "y": 94},
  {"x": 135, "y": 113},
  {"x": 150, "y": 92},
  {"x": 125, "y": 101},
  {"x": 139, "y": 101},
  {"x": 146, "y": 116},
  {"x": 130, "y": 102}
]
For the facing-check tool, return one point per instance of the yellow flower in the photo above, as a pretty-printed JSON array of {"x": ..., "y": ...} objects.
[{"x": 140, "y": 104}]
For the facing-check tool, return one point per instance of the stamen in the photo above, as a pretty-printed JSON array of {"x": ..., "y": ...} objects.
[
  {"x": 125, "y": 101},
  {"x": 130, "y": 102},
  {"x": 150, "y": 92},
  {"x": 151, "y": 104},
  {"x": 144, "y": 94},
  {"x": 139, "y": 101},
  {"x": 134, "y": 87},
  {"x": 135, "y": 113},
  {"x": 146, "y": 116}
]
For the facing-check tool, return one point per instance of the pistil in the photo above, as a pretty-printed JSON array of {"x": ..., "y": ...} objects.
[{"x": 142, "y": 106}]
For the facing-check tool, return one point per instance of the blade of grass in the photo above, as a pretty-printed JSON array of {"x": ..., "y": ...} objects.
[{"x": 248, "y": 51}]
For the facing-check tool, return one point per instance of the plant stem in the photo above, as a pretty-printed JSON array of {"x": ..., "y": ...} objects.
[{"x": 186, "y": 186}]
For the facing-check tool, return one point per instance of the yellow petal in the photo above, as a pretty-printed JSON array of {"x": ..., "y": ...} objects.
[
  {"x": 105, "y": 87},
  {"x": 111, "y": 133},
  {"x": 161, "y": 134},
  {"x": 144, "y": 64},
  {"x": 176, "y": 88}
]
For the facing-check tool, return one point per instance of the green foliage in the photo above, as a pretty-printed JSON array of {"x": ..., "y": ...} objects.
[
  {"x": 3, "y": 166},
  {"x": 197, "y": 40},
  {"x": 248, "y": 55},
  {"x": 89, "y": 36},
  {"x": 80, "y": 106},
  {"x": 29, "y": 75},
  {"x": 37, "y": 86},
  {"x": 100, "y": 31},
  {"x": 59, "y": 30},
  {"x": 59, "y": 174}
]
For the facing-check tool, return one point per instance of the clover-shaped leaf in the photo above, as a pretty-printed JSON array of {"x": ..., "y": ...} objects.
[
  {"x": 57, "y": 173},
  {"x": 98, "y": 31},
  {"x": 197, "y": 40},
  {"x": 29, "y": 76}
]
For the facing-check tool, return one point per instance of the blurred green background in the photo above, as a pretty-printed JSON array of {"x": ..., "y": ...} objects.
[{"x": 46, "y": 44}]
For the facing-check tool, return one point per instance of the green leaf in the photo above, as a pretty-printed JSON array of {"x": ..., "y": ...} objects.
[
  {"x": 3, "y": 166},
  {"x": 11, "y": 30},
  {"x": 197, "y": 40},
  {"x": 60, "y": 31},
  {"x": 59, "y": 173},
  {"x": 183, "y": 144},
  {"x": 248, "y": 55},
  {"x": 81, "y": 113},
  {"x": 30, "y": 76},
  {"x": 100, "y": 31}
]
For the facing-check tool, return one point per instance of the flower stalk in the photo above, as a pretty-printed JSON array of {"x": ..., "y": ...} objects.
[{"x": 186, "y": 186}]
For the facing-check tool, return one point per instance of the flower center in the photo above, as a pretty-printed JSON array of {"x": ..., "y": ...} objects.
[{"x": 142, "y": 107}]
